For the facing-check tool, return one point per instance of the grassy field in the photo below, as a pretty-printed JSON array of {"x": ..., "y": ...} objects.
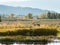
[
  {"x": 13, "y": 26},
  {"x": 28, "y": 34}
]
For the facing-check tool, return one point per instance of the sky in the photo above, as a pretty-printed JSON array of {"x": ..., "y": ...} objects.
[{"x": 52, "y": 5}]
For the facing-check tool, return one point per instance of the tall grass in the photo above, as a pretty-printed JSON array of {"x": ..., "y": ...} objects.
[{"x": 31, "y": 32}]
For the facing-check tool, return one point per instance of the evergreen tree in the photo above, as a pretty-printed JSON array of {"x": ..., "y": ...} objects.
[
  {"x": 30, "y": 16},
  {"x": 0, "y": 18}
]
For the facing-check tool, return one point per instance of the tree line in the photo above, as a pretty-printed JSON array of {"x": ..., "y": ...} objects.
[
  {"x": 50, "y": 15},
  {"x": 46, "y": 15}
]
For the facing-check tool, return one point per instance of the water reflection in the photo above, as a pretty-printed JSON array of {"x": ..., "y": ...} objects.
[
  {"x": 33, "y": 44},
  {"x": 0, "y": 44},
  {"x": 15, "y": 44},
  {"x": 54, "y": 42},
  {"x": 22, "y": 44}
]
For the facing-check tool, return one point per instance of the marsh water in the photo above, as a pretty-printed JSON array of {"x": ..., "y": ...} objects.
[{"x": 54, "y": 42}]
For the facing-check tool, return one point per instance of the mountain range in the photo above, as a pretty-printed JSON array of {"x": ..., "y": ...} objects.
[{"x": 20, "y": 10}]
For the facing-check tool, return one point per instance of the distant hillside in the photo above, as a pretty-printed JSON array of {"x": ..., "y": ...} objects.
[{"x": 20, "y": 10}]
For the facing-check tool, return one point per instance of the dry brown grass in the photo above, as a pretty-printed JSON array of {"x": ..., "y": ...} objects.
[{"x": 12, "y": 26}]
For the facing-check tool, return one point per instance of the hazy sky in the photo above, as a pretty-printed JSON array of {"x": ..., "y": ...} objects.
[{"x": 41, "y": 4}]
